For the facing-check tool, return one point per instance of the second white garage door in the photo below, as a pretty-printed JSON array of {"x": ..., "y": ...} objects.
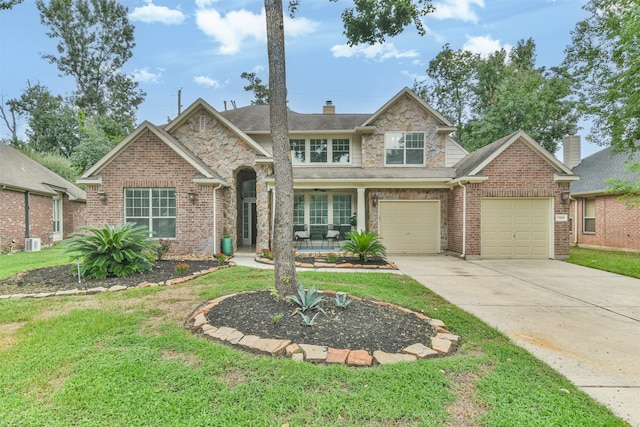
[
  {"x": 516, "y": 228},
  {"x": 410, "y": 227}
]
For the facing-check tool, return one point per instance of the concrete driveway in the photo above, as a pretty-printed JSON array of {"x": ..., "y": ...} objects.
[{"x": 584, "y": 323}]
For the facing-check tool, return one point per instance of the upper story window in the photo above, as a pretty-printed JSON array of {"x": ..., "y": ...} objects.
[
  {"x": 589, "y": 216},
  {"x": 404, "y": 148},
  {"x": 320, "y": 151}
]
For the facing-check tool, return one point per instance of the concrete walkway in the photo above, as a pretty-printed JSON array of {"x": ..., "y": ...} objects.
[{"x": 582, "y": 322}]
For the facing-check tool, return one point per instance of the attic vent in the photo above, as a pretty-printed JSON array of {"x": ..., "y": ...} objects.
[{"x": 203, "y": 124}]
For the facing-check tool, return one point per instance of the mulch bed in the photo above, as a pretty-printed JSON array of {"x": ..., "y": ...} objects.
[
  {"x": 361, "y": 325},
  {"x": 63, "y": 277}
]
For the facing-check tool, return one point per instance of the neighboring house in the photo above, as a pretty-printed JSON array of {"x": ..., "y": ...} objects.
[
  {"x": 599, "y": 218},
  {"x": 35, "y": 203},
  {"x": 209, "y": 173}
]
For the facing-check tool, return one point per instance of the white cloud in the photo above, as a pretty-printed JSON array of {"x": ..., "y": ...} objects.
[
  {"x": 415, "y": 77},
  {"x": 145, "y": 76},
  {"x": 153, "y": 13},
  {"x": 206, "y": 81},
  {"x": 232, "y": 29},
  {"x": 457, "y": 9},
  {"x": 378, "y": 52},
  {"x": 484, "y": 45}
]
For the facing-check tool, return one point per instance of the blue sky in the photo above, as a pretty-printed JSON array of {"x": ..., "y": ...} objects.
[{"x": 202, "y": 46}]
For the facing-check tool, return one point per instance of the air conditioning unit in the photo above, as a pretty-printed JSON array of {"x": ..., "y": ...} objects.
[{"x": 32, "y": 245}]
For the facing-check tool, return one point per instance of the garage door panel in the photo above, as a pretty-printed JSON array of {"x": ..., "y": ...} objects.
[
  {"x": 515, "y": 228},
  {"x": 410, "y": 227}
]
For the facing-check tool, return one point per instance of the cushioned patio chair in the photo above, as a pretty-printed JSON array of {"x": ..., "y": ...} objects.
[{"x": 301, "y": 233}]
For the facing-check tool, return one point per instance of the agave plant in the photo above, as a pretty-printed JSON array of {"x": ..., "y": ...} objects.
[
  {"x": 365, "y": 244},
  {"x": 307, "y": 298},
  {"x": 112, "y": 251}
]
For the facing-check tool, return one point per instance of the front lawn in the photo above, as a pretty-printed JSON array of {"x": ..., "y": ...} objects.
[
  {"x": 125, "y": 359},
  {"x": 625, "y": 263}
]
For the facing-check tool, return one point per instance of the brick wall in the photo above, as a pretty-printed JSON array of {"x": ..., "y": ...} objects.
[
  {"x": 74, "y": 216},
  {"x": 12, "y": 217},
  {"x": 149, "y": 163},
  {"x": 517, "y": 172},
  {"x": 616, "y": 226}
]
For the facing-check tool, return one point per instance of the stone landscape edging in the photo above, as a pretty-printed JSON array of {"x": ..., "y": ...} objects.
[
  {"x": 116, "y": 288},
  {"x": 444, "y": 343}
]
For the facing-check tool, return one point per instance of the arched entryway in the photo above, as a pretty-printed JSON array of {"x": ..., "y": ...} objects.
[{"x": 247, "y": 218}]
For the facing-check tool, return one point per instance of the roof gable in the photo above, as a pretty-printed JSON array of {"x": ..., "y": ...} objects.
[
  {"x": 21, "y": 172},
  {"x": 202, "y": 104},
  {"x": 443, "y": 123},
  {"x": 92, "y": 174},
  {"x": 476, "y": 161}
]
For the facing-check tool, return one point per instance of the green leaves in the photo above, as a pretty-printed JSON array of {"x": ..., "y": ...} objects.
[
  {"x": 112, "y": 251},
  {"x": 365, "y": 244},
  {"x": 307, "y": 298}
]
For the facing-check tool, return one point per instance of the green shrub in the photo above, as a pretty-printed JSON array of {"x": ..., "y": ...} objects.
[
  {"x": 365, "y": 244},
  {"x": 112, "y": 251}
]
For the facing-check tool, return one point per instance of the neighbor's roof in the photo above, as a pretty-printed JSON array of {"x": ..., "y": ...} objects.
[
  {"x": 19, "y": 172},
  {"x": 599, "y": 167}
]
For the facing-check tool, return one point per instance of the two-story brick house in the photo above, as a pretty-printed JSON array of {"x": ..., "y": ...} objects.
[{"x": 397, "y": 171}]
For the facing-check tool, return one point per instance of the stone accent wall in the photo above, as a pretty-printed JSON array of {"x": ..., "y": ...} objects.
[
  {"x": 616, "y": 226},
  {"x": 404, "y": 115},
  {"x": 410, "y": 194},
  {"x": 226, "y": 153},
  {"x": 149, "y": 163}
]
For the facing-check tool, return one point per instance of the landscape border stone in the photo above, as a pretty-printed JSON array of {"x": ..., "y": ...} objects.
[{"x": 444, "y": 343}]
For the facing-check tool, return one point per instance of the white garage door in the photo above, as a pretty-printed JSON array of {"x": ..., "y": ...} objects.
[
  {"x": 516, "y": 228},
  {"x": 410, "y": 227}
]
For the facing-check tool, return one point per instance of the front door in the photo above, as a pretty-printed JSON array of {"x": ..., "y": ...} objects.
[{"x": 249, "y": 225}]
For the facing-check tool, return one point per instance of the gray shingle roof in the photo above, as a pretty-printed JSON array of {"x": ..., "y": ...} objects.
[
  {"x": 348, "y": 173},
  {"x": 21, "y": 172},
  {"x": 476, "y": 158},
  {"x": 599, "y": 167},
  {"x": 255, "y": 118}
]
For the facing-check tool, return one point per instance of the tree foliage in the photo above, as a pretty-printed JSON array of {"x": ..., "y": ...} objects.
[
  {"x": 95, "y": 40},
  {"x": 260, "y": 90},
  {"x": 8, "y": 4},
  {"x": 490, "y": 97},
  {"x": 603, "y": 57}
]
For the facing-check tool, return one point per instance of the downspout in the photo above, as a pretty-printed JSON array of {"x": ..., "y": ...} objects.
[
  {"x": 464, "y": 219},
  {"x": 575, "y": 222},
  {"x": 215, "y": 221},
  {"x": 27, "y": 215}
]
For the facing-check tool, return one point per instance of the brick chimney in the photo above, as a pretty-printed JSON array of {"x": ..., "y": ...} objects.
[
  {"x": 571, "y": 149},
  {"x": 329, "y": 108}
]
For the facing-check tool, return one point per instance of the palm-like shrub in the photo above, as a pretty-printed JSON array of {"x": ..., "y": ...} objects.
[
  {"x": 365, "y": 244},
  {"x": 112, "y": 251}
]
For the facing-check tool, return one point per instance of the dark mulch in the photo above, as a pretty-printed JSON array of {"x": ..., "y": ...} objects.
[
  {"x": 362, "y": 325},
  {"x": 63, "y": 277}
]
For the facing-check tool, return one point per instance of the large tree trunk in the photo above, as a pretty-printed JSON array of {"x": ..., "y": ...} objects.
[{"x": 286, "y": 281}]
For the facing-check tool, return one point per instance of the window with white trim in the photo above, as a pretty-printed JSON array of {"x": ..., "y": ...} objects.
[
  {"x": 320, "y": 150},
  {"x": 154, "y": 208},
  {"x": 298, "y": 209},
  {"x": 57, "y": 215},
  {"x": 317, "y": 208},
  {"x": 404, "y": 148},
  {"x": 342, "y": 209},
  {"x": 589, "y": 217}
]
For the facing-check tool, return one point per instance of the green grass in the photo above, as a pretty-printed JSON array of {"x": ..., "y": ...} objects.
[
  {"x": 125, "y": 359},
  {"x": 625, "y": 263},
  {"x": 19, "y": 261}
]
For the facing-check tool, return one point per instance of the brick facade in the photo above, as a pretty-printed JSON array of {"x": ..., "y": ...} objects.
[{"x": 616, "y": 226}]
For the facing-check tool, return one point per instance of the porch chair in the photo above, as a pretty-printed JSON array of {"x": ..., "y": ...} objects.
[
  {"x": 332, "y": 235},
  {"x": 301, "y": 233}
]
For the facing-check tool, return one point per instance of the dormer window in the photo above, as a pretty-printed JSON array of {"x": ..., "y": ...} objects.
[{"x": 404, "y": 148}]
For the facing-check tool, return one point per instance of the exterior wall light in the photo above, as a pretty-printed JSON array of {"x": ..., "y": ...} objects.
[
  {"x": 565, "y": 196},
  {"x": 102, "y": 196},
  {"x": 192, "y": 196}
]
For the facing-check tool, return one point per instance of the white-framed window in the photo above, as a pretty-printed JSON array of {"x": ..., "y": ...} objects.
[
  {"x": 404, "y": 148},
  {"x": 320, "y": 151},
  {"x": 202, "y": 122},
  {"x": 317, "y": 208},
  {"x": 154, "y": 208},
  {"x": 57, "y": 215},
  {"x": 589, "y": 215}
]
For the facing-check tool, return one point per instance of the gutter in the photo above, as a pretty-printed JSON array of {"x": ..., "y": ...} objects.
[{"x": 215, "y": 222}]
